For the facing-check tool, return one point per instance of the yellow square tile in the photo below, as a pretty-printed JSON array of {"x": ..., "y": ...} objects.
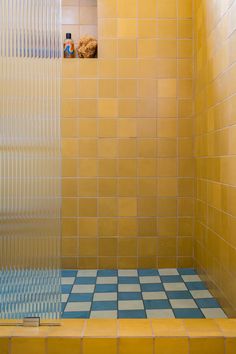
[
  {"x": 163, "y": 327},
  {"x": 69, "y": 207},
  {"x": 87, "y": 207},
  {"x": 167, "y": 88},
  {"x": 127, "y": 28},
  {"x": 127, "y": 187},
  {"x": 147, "y": 48},
  {"x": 133, "y": 328},
  {"x": 230, "y": 345},
  {"x": 127, "y": 9},
  {"x": 147, "y": 9},
  {"x": 127, "y": 88},
  {"x": 167, "y": 29},
  {"x": 101, "y": 328},
  {"x": 127, "y": 227},
  {"x": 58, "y": 345},
  {"x": 4, "y": 345},
  {"x": 127, "y": 207},
  {"x": 166, "y": 9},
  {"x": 107, "y": 206},
  {"x": 69, "y": 227},
  {"x": 87, "y": 128},
  {"x": 127, "y": 247},
  {"x": 87, "y": 147},
  {"x": 87, "y": 227},
  {"x": 88, "y": 247},
  {"x": 207, "y": 345},
  {"x": 69, "y": 247},
  {"x": 185, "y": 8},
  {"x": 107, "y": 227},
  {"x": 127, "y": 148},
  {"x": 147, "y": 28},
  {"x": 127, "y": 128},
  {"x": 87, "y": 88},
  {"x": 107, "y": 247},
  {"x": 107, "y": 108},
  {"x": 127, "y": 48},
  {"x": 107, "y": 28},
  {"x": 107, "y": 128},
  {"x": 127, "y": 168},
  {"x": 107, "y": 148},
  {"x": 87, "y": 168},
  {"x": 107, "y": 167},
  {"x": 69, "y": 187},
  {"x": 87, "y": 187},
  {"x": 171, "y": 345},
  {"x": 107, "y": 88},
  {"x": 30, "y": 345},
  {"x": 99, "y": 345},
  {"x": 107, "y": 187}
]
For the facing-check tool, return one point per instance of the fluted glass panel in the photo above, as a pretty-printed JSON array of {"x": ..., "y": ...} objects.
[{"x": 30, "y": 164}]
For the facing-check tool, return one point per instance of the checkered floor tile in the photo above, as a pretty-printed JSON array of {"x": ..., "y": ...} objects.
[{"x": 142, "y": 293}]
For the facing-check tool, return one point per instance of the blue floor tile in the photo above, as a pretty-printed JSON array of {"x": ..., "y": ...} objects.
[
  {"x": 66, "y": 289},
  {"x": 152, "y": 287},
  {"x": 80, "y": 297},
  {"x": 179, "y": 295},
  {"x": 157, "y": 304},
  {"x": 171, "y": 279},
  {"x": 85, "y": 280},
  {"x": 129, "y": 296},
  {"x": 132, "y": 314},
  {"x": 68, "y": 273},
  {"x": 187, "y": 271},
  {"x": 198, "y": 285},
  {"x": 188, "y": 313},
  {"x": 104, "y": 305},
  {"x": 107, "y": 273},
  {"x": 207, "y": 303},
  {"x": 148, "y": 272},
  {"x": 106, "y": 288},
  {"x": 79, "y": 314},
  {"x": 128, "y": 280}
]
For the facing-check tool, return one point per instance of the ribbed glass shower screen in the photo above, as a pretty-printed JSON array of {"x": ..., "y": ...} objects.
[{"x": 30, "y": 158}]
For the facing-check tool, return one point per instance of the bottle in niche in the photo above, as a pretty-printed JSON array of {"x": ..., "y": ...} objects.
[{"x": 69, "y": 48}]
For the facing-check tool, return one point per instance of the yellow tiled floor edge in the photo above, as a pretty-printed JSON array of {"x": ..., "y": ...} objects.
[{"x": 94, "y": 336}]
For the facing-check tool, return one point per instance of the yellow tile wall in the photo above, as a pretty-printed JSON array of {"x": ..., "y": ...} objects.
[
  {"x": 215, "y": 147},
  {"x": 127, "y": 140}
]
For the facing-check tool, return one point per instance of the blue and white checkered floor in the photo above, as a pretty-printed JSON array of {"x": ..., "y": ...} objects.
[{"x": 142, "y": 293}]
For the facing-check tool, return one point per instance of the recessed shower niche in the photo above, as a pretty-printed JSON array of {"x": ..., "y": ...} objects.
[{"x": 79, "y": 17}]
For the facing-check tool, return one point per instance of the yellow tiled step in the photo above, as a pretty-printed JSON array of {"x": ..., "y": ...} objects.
[{"x": 95, "y": 336}]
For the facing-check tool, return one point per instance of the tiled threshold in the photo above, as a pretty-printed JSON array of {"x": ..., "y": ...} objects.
[{"x": 123, "y": 336}]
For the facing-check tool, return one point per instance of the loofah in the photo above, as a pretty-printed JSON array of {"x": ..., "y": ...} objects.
[{"x": 87, "y": 47}]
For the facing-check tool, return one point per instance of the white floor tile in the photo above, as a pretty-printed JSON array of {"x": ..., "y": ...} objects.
[
  {"x": 79, "y": 289},
  {"x": 175, "y": 286},
  {"x": 158, "y": 295},
  {"x": 127, "y": 273},
  {"x": 64, "y": 297},
  {"x": 150, "y": 280},
  {"x": 201, "y": 294},
  {"x": 213, "y": 313},
  {"x": 67, "y": 280},
  {"x": 191, "y": 278},
  {"x": 168, "y": 271},
  {"x": 87, "y": 273},
  {"x": 105, "y": 297},
  {"x": 107, "y": 280},
  {"x": 130, "y": 305},
  {"x": 160, "y": 314},
  {"x": 77, "y": 306},
  {"x": 183, "y": 304},
  {"x": 129, "y": 288},
  {"x": 103, "y": 314}
]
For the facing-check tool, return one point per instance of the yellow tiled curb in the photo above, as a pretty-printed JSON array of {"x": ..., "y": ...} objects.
[{"x": 123, "y": 336}]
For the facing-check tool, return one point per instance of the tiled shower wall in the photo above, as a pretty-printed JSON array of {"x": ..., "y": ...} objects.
[
  {"x": 215, "y": 147},
  {"x": 127, "y": 140}
]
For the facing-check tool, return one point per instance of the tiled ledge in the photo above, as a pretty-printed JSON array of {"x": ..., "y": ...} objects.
[{"x": 94, "y": 336}]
